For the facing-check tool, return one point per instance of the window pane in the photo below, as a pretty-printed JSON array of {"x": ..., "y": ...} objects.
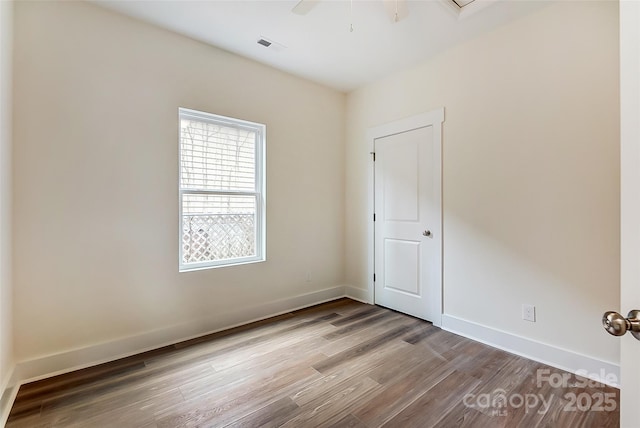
[
  {"x": 217, "y": 157},
  {"x": 218, "y": 227}
]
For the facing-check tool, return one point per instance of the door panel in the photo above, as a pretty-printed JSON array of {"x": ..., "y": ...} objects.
[
  {"x": 404, "y": 205},
  {"x": 402, "y": 266},
  {"x": 400, "y": 191}
]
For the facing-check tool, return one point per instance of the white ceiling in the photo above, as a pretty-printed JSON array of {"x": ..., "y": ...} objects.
[{"x": 319, "y": 45}]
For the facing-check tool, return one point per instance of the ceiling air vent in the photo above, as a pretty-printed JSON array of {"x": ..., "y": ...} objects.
[{"x": 274, "y": 46}]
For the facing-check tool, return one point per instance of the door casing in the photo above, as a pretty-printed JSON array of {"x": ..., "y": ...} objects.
[
  {"x": 630, "y": 205},
  {"x": 434, "y": 118}
]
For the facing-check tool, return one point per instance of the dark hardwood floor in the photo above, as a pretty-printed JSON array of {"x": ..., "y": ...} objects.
[{"x": 340, "y": 364}]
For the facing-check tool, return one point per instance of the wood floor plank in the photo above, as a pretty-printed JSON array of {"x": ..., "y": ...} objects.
[
  {"x": 437, "y": 401},
  {"x": 443, "y": 343},
  {"x": 349, "y": 421},
  {"x": 462, "y": 416},
  {"x": 228, "y": 403},
  {"x": 425, "y": 331},
  {"x": 343, "y": 374},
  {"x": 505, "y": 382},
  {"x": 481, "y": 364},
  {"x": 272, "y": 415},
  {"x": 362, "y": 349},
  {"x": 405, "y": 362},
  {"x": 339, "y": 364},
  {"x": 401, "y": 393},
  {"x": 348, "y": 341},
  {"x": 359, "y": 315},
  {"x": 108, "y": 394},
  {"x": 231, "y": 382},
  {"x": 143, "y": 405},
  {"x": 363, "y": 324},
  {"x": 328, "y": 408}
]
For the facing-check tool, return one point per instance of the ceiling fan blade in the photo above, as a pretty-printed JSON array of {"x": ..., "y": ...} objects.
[
  {"x": 304, "y": 6},
  {"x": 396, "y": 9}
]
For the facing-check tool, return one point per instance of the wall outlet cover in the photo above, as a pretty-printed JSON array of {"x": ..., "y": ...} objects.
[{"x": 529, "y": 313}]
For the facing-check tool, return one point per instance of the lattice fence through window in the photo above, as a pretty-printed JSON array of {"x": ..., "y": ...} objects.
[{"x": 208, "y": 237}]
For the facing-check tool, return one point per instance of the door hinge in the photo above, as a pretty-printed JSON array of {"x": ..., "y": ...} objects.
[
  {"x": 374, "y": 155},
  {"x": 374, "y": 216},
  {"x": 374, "y": 277}
]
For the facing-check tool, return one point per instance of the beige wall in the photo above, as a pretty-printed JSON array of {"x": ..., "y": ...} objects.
[
  {"x": 96, "y": 201},
  {"x": 530, "y": 172},
  {"x": 6, "y": 329}
]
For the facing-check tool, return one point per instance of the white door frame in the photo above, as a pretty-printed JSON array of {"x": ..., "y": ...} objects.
[
  {"x": 630, "y": 205},
  {"x": 433, "y": 118}
]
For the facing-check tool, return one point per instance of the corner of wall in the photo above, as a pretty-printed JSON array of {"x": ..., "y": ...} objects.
[{"x": 359, "y": 294}]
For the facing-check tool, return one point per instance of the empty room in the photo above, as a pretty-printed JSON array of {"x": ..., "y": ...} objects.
[{"x": 319, "y": 213}]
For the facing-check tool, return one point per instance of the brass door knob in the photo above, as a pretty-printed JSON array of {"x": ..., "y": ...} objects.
[{"x": 618, "y": 325}]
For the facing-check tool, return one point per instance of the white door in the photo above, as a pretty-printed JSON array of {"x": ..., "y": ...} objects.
[
  {"x": 630, "y": 206},
  {"x": 407, "y": 226}
]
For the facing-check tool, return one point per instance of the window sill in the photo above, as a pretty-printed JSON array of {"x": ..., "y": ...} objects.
[{"x": 183, "y": 269}]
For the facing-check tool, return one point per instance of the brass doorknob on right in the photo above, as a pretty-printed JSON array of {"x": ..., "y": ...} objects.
[{"x": 618, "y": 325}]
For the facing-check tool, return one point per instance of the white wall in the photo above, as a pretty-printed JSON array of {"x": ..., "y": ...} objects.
[
  {"x": 6, "y": 329},
  {"x": 95, "y": 181},
  {"x": 530, "y": 173}
]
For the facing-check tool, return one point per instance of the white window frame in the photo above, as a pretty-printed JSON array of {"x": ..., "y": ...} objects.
[{"x": 259, "y": 192}]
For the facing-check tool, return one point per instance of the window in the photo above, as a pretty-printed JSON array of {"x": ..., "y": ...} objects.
[{"x": 222, "y": 204}]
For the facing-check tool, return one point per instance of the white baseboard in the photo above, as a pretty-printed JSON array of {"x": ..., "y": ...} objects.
[
  {"x": 8, "y": 392},
  {"x": 554, "y": 356},
  {"x": 64, "y": 362},
  {"x": 359, "y": 294}
]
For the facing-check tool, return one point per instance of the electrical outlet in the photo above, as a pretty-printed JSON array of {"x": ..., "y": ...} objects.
[{"x": 529, "y": 313}]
